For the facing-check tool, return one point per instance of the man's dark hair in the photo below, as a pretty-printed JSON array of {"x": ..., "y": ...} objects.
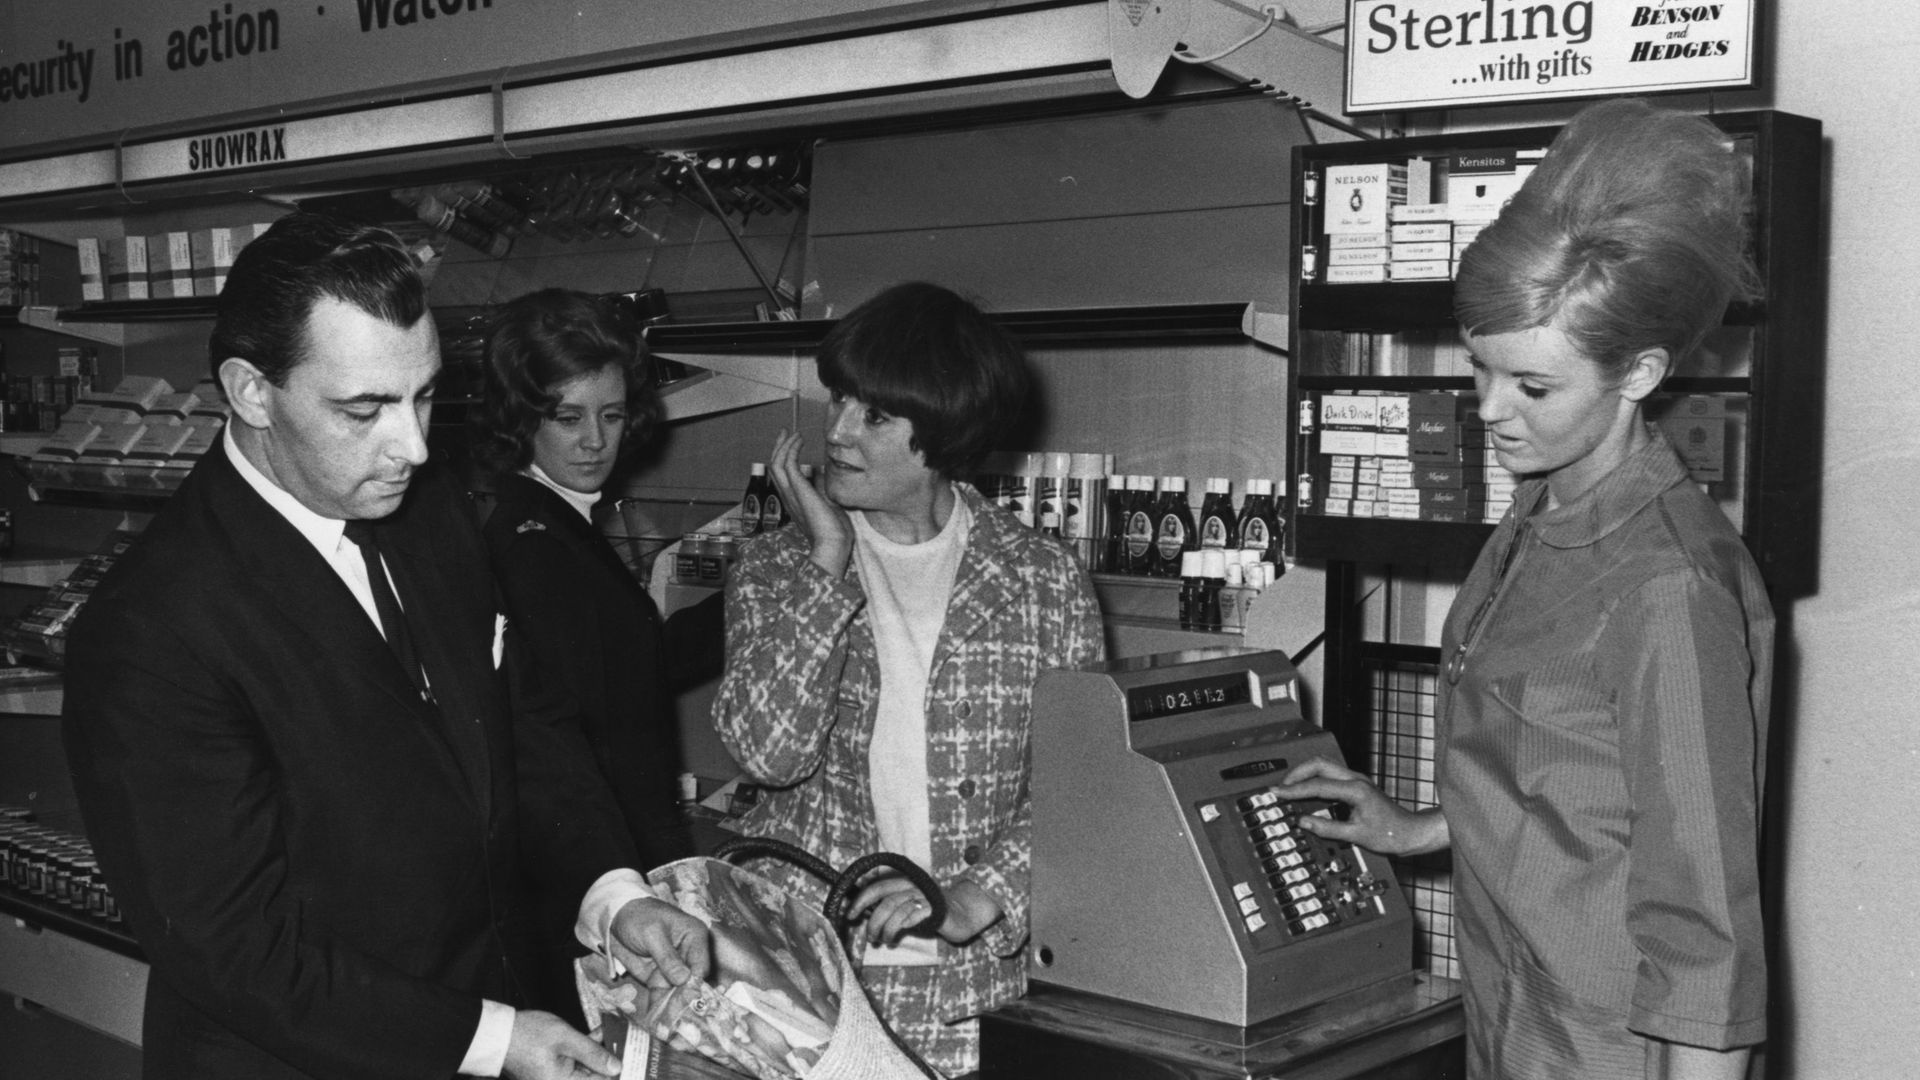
[
  {"x": 278, "y": 278},
  {"x": 922, "y": 352}
]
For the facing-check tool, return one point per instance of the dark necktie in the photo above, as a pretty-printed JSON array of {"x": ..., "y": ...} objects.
[{"x": 392, "y": 619}]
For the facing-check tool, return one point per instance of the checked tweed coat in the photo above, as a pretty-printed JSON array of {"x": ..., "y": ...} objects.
[{"x": 796, "y": 708}]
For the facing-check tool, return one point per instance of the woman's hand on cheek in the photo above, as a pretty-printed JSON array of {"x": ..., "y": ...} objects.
[{"x": 826, "y": 526}]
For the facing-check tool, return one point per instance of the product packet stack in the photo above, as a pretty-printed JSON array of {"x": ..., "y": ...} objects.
[{"x": 93, "y": 277}]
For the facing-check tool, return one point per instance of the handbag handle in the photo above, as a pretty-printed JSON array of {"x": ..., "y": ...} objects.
[{"x": 841, "y": 884}]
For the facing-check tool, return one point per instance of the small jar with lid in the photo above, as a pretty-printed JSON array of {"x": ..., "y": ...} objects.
[
  {"x": 31, "y": 872},
  {"x": 717, "y": 560}
]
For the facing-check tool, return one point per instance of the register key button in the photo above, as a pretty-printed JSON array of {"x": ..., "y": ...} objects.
[{"x": 1256, "y": 922}]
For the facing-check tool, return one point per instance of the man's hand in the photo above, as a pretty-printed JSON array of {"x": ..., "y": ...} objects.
[
  {"x": 544, "y": 1047},
  {"x": 661, "y": 944}
]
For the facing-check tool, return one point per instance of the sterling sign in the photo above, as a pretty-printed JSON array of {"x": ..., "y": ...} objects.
[{"x": 1424, "y": 54}]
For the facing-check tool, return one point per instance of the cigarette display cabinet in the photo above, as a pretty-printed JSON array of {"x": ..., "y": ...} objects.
[{"x": 1756, "y": 380}]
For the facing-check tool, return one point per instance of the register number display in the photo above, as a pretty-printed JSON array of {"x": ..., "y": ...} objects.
[{"x": 1189, "y": 695}]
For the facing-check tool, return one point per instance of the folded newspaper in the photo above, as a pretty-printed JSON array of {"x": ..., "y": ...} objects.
[{"x": 773, "y": 997}]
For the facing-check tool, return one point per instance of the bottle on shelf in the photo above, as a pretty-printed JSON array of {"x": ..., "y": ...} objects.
[
  {"x": 1173, "y": 530},
  {"x": 1083, "y": 506},
  {"x": 1049, "y": 508},
  {"x": 1140, "y": 524},
  {"x": 1217, "y": 520},
  {"x": 1023, "y": 486},
  {"x": 1257, "y": 517},
  {"x": 773, "y": 509},
  {"x": 753, "y": 502},
  {"x": 1190, "y": 586},
  {"x": 1213, "y": 579},
  {"x": 1113, "y": 533}
]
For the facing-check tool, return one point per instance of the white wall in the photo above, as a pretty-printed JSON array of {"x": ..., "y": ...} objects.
[{"x": 1849, "y": 934}]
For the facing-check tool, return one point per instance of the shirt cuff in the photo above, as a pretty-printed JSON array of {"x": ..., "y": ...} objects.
[
  {"x": 487, "y": 1055},
  {"x": 614, "y": 890}
]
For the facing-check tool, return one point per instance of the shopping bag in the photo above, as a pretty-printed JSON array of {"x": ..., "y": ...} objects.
[{"x": 783, "y": 1001}]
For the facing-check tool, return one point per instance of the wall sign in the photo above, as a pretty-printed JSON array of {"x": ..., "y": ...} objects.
[
  {"x": 1424, "y": 54},
  {"x": 88, "y": 72}
]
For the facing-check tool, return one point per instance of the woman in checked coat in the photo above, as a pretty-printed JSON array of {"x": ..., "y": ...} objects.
[{"x": 882, "y": 652}]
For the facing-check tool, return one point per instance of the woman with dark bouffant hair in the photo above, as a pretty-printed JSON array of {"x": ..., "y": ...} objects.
[
  {"x": 566, "y": 399},
  {"x": 1607, "y": 664}
]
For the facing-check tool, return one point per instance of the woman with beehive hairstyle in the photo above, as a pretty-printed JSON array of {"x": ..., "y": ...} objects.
[{"x": 1606, "y": 666}]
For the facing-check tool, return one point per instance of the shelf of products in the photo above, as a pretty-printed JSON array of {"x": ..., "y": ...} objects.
[
  {"x": 49, "y": 879},
  {"x": 1742, "y": 409},
  {"x": 1064, "y": 327}
]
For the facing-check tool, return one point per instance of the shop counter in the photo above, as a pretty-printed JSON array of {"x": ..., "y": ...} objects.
[{"x": 1402, "y": 1028}]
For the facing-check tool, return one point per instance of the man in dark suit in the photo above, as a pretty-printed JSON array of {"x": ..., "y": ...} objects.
[{"x": 316, "y": 833}]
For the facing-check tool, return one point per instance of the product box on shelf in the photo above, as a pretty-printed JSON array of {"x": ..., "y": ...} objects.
[
  {"x": 1358, "y": 196},
  {"x": 132, "y": 398},
  {"x": 170, "y": 265},
  {"x": 1357, "y": 275},
  {"x": 1479, "y": 182},
  {"x": 157, "y": 444},
  {"x": 173, "y": 408},
  {"x": 200, "y": 439},
  {"x": 66, "y": 443},
  {"x": 1357, "y": 256},
  {"x": 93, "y": 277},
  {"x": 1421, "y": 232},
  {"x": 1697, "y": 428},
  {"x": 1421, "y": 250},
  {"x": 1340, "y": 241},
  {"x": 1349, "y": 424},
  {"x": 127, "y": 269},
  {"x": 113, "y": 442}
]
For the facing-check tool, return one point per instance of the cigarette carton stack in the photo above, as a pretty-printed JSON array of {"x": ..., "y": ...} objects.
[
  {"x": 169, "y": 266},
  {"x": 42, "y": 628},
  {"x": 19, "y": 269},
  {"x": 1421, "y": 239},
  {"x": 1455, "y": 467},
  {"x": 127, "y": 268},
  {"x": 204, "y": 422},
  {"x": 1360, "y": 199},
  {"x": 93, "y": 275},
  {"x": 1420, "y": 456},
  {"x": 162, "y": 266}
]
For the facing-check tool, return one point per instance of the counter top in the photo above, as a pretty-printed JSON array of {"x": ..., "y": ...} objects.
[{"x": 1401, "y": 1026}]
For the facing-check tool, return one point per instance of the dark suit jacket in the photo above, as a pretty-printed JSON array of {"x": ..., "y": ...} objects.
[
  {"x": 320, "y": 866},
  {"x": 594, "y": 629}
]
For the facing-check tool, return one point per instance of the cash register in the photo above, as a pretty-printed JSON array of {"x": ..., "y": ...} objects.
[{"x": 1182, "y": 919}]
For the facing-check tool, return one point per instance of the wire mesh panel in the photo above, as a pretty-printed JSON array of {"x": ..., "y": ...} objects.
[{"x": 1404, "y": 696}]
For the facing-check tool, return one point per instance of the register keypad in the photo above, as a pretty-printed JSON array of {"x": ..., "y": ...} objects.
[{"x": 1285, "y": 881}]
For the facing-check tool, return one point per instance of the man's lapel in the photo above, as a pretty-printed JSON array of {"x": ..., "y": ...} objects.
[{"x": 299, "y": 587}]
